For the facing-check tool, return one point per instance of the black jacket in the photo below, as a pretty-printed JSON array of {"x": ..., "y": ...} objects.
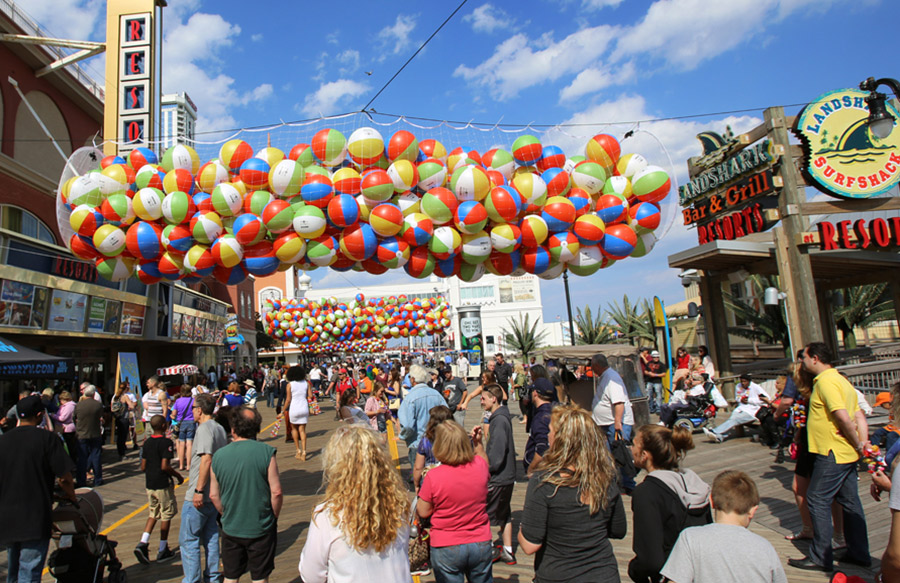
[{"x": 500, "y": 449}]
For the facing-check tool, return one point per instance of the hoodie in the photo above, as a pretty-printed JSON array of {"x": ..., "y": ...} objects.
[
  {"x": 673, "y": 499},
  {"x": 501, "y": 450}
]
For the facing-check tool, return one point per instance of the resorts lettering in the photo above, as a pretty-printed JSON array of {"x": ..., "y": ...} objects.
[
  {"x": 721, "y": 175},
  {"x": 860, "y": 234},
  {"x": 734, "y": 226}
]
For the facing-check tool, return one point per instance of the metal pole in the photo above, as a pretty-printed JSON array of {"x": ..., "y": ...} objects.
[{"x": 569, "y": 307}]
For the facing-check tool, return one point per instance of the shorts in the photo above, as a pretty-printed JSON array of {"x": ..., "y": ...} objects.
[
  {"x": 805, "y": 459},
  {"x": 186, "y": 430},
  {"x": 498, "y": 500},
  {"x": 161, "y": 503},
  {"x": 256, "y": 555}
]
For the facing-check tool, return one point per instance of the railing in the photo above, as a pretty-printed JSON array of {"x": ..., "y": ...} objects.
[{"x": 32, "y": 28}]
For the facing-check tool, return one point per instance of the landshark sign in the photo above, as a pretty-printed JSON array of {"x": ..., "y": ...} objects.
[{"x": 844, "y": 158}]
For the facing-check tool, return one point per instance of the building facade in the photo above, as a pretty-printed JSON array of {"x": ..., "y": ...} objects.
[{"x": 178, "y": 120}]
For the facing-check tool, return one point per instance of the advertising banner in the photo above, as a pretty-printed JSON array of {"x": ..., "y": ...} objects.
[{"x": 67, "y": 311}]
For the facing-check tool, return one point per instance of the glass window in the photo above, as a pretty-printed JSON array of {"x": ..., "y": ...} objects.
[
  {"x": 21, "y": 221},
  {"x": 477, "y": 292}
]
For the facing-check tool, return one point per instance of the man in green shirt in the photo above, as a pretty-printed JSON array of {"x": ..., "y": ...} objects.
[{"x": 246, "y": 490}]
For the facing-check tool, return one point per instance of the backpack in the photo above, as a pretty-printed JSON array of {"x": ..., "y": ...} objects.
[{"x": 118, "y": 408}]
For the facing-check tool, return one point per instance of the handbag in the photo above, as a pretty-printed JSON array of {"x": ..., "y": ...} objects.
[
  {"x": 621, "y": 454},
  {"x": 419, "y": 541}
]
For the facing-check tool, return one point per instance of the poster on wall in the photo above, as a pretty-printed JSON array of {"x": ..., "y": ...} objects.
[
  {"x": 112, "y": 317},
  {"x": 516, "y": 289},
  {"x": 176, "y": 325},
  {"x": 96, "y": 315},
  {"x": 39, "y": 307},
  {"x": 133, "y": 319},
  {"x": 67, "y": 311},
  {"x": 187, "y": 327},
  {"x": 17, "y": 301}
]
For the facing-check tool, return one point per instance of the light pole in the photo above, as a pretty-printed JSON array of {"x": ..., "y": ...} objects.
[
  {"x": 880, "y": 121},
  {"x": 773, "y": 297},
  {"x": 569, "y": 307}
]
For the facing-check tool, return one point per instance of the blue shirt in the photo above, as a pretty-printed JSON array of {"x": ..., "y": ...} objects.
[
  {"x": 790, "y": 389},
  {"x": 233, "y": 400},
  {"x": 415, "y": 411},
  {"x": 538, "y": 441}
]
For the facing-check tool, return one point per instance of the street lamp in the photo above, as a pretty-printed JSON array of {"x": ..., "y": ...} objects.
[
  {"x": 880, "y": 121},
  {"x": 773, "y": 297}
]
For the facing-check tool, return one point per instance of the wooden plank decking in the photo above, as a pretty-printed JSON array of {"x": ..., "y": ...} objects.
[{"x": 124, "y": 496}]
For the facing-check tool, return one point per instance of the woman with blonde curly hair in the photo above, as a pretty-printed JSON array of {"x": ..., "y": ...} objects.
[
  {"x": 350, "y": 537},
  {"x": 573, "y": 506}
]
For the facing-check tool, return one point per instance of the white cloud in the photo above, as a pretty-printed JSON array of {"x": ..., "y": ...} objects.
[
  {"x": 395, "y": 38},
  {"x": 488, "y": 18},
  {"x": 69, "y": 19},
  {"x": 599, "y": 4},
  {"x": 592, "y": 80},
  {"x": 332, "y": 96},
  {"x": 515, "y": 65},
  {"x": 350, "y": 61},
  {"x": 257, "y": 37}
]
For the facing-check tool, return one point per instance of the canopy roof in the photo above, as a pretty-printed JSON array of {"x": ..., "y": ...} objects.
[
  {"x": 20, "y": 362},
  {"x": 586, "y": 351}
]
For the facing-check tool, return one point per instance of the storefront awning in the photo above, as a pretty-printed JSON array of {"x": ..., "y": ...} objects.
[
  {"x": 181, "y": 369},
  {"x": 20, "y": 362}
]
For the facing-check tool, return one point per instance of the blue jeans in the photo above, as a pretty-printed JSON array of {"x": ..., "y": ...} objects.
[
  {"x": 270, "y": 396},
  {"x": 737, "y": 418},
  {"x": 458, "y": 563},
  {"x": 25, "y": 561},
  {"x": 199, "y": 529},
  {"x": 610, "y": 430},
  {"x": 89, "y": 457},
  {"x": 834, "y": 482},
  {"x": 654, "y": 395}
]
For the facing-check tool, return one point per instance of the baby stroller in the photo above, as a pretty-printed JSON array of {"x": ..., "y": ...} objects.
[
  {"x": 83, "y": 553},
  {"x": 697, "y": 414}
]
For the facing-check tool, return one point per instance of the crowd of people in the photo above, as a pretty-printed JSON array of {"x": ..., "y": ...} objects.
[{"x": 455, "y": 499}]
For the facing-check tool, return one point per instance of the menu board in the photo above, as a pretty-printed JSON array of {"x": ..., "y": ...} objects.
[
  {"x": 67, "y": 311},
  {"x": 133, "y": 319},
  {"x": 23, "y": 305}
]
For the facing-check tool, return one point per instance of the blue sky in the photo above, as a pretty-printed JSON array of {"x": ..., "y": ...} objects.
[{"x": 604, "y": 63}]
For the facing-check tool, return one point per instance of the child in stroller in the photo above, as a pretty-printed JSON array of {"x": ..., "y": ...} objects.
[
  {"x": 83, "y": 553},
  {"x": 691, "y": 407}
]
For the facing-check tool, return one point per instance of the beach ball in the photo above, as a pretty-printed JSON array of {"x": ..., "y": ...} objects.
[
  {"x": 147, "y": 204},
  {"x": 346, "y": 181},
  {"x": 322, "y": 251},
  {"x": 558, "y": 213},
  {"x": 171, "y": 266},
  {"x": 527, "y": 150},
  {"x": 205, "y": 227},
  {"x": 645, "y": 216},
  {"x": 149, "y": 176},
  {"x": 271, "y": 156},
  {"x": 85, "y": 189},
  {"x": 309, "y": 222},
  {"x": 230, "y": 275},
  {"x": 612, "y": 208},
  {"x": 114, "y": 268},
  {"x": 433, "y": 149},
  {"x": 343, "y": 211},
  {"x": 376, "y": 186},
  {"x": 457, "y": 158},
  {"x": 432, "y": 172},
  {"x": 329, "y": 147},
  {"x": 109, "y": 240},
  {"x": 180, "y": 157},
  {"x": 408, "y": 202},
  {"x": 234, "y": 153},
  {"x": 317, "y": 190},
  {"x": 403, "y": 145},
  {"x": 557, "y": 180},
  {"x": 386, "y": 219},
  {"x": 563, "y": 246},
  {"x": 581, "y": 200},
  {"x": 470, "y": 217},
  {"x": 551, "y": 157},
  {"x": 534, "y": 230},
  {"x": 404, "y": 175},
  {"x": 496, "y": 178},
  {"x": 552, "y": 272},
  {"x": 471, "y": 273},
  {"x": 417, "y": 229},
  {"x": 506, "y": 238},
  {"x": 302, "y": 154},
  {"x": 147, "y": 272},
  {"x": 470, "y": 183},
  {"x": 138, "y": 157},
  {"x": 83, "y": 247},
  {"x": 589, "y": 176},
  {"x": 365, "y": 146},
  {"x": 645, "y": 243},
  {"x": 227, "y": 251},
  {"x": 110, "y": 160},
  {"x": 289, "y": 247},
  {"x": 619, "y": 241},
  {"x": 589, "y": 229},
  {"x": 179, "y": 180},
  {"x": 260, "y": 259},
  {"x": 587, "y": 261},
  {"x": 420, "y": 264},
  {"x": 392, "y": 252},
  {"x": 249, "y": 229},
  {"x": 500, "y": 160},
  {"x": 254, "y": 174},
  {"x": 286, "y": 178},
  {"x": 476, "y": 247},
  {"x": 536, "y": 260},
  {"x": 439, "y": 204},
  {"x": 199, "y": 261},
  {"x": 203, "y": 202},
  {"x": 178, "y": 207},
  {"x": 226, "y": 200},
  {"x": 604, "y": 150},
  {"x": 651, "y": 184},
  {"x": 115, "y": 178},
  {"x": 503, "y": 204},
  {"x": 257, "y": 201},
  {"x": 278, "y": 216},
  {"x": 358, "y": 242},
  {"x": 445, "y": 242},
  {"x": 85, "y": 219},
  {"x": 503, "y": 263},
  {"x": 144, "y": 241},
  {"x": 176, "y": 239},
  {"x": 618, "y": 185},
  {"x": 532, "y": 190},
  {"x": 211, "y": 175},
  {"x": 630, "y": 164},
  {"x": 448, "y": 267}
]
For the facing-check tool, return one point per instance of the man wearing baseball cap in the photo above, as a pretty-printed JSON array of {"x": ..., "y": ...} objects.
[
  {"x": 654, "y": 370},
  {"x": 543, "y": 393},
  {"x": 26, "y": 494}
]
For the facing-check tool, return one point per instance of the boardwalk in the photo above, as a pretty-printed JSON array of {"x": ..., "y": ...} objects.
[{"x": 124, "y": 496}]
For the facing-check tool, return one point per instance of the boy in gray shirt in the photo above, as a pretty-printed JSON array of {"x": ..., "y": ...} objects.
[{"x": 706, "y": 554}]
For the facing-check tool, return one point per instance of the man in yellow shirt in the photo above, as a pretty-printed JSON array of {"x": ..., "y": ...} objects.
[{"x": 837, "y": 433}]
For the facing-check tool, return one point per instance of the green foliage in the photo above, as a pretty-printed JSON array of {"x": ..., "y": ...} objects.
[
  {"x": 764, "y": 324},
  {"x": 632, "y": 321},
  {"x": 522, "y": 336},
  {"x": 592, "y": 329},
  {"x": 863, "y": 306}
]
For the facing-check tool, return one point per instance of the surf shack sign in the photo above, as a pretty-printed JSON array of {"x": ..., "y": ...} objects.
[{"x": 844, "y": 158}]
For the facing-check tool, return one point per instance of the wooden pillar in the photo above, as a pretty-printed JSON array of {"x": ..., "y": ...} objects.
[
  {"x": 895, "y": 295},
  {"x": 826, "y": 316},
  {"x": 717, "y": 328},
  {"x": 794, "y": 268}
]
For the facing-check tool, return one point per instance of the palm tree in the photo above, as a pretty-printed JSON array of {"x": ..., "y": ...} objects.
[
  {"x": 764, "y": 324},
  {"x": 590, "y": 329},
  {"x": 522, "y": 336},
  {"x": 863, "y": 306},
  {"x": 632, "y": 322}
]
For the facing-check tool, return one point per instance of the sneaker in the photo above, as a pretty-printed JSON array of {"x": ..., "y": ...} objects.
[
  {"x": 142, "y": 552},
  {"x": 501, "y": 554},
  {"x": 712, "y": 435},
  {"x": 165, "y": 555},
  {"x": 421, "y": 571}
]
